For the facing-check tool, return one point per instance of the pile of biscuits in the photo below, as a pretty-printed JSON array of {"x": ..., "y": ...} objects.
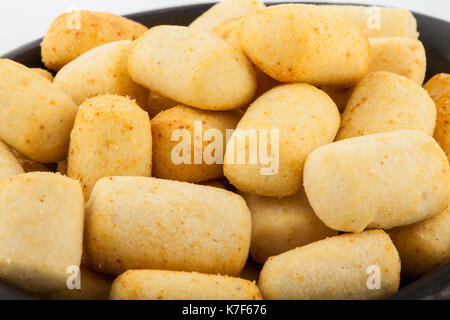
[{"x": 340, "y": 189}]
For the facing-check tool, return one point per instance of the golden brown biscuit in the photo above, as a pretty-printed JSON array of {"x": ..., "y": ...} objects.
[
  {"x": 438, "y": 88},
  {"x": 173, "y": 285},
  {"x": 438, "y": 85},
  {"x": 194, "y": 127},
  {"x": 305, "y": 43},
  {"x": 442, "y": 131},
  {"x": 72, "y": 34},
  {"x": 111, "y": 137},
  {"x": 230, "y": 31},
  {"x": 47, "y": 75}
]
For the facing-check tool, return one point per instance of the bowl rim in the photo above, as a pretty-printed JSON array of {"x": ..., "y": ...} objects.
[{"x": 202, "y": 6}]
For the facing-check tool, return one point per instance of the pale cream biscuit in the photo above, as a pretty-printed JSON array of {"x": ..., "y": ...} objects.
[
  {"x": 378, "y": 181},
  {"x": 46, "y": 74},
  {"x": 280, "y": 225},
  {"x": 230, "y": 31},
  {"x": 380, "y": 22},
  {"x": 192, "y": 67},
  {"x": 149, "y": 223},
  {"x": 302, "y": 116},
  {"x": 341, "y": 267},
  {"x": 73, "y": 33},
  {"x": 36, "y": 116},
  {"x": 400, "y": 55},
  {"x": 423, "y": 246},
  {"x": 41, "y": 230},
  {"x": 385, "y": 102},
  {"x": 9, "y": 165},
  {"x": 102, "y": 70},
  {"x": 225, "y": 10}
]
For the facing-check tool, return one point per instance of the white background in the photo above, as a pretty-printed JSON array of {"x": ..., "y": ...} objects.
[{"x": 22, "y": 21}]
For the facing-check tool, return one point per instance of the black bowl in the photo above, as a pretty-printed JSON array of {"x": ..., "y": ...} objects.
[{"x": 433, "y": 34}]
